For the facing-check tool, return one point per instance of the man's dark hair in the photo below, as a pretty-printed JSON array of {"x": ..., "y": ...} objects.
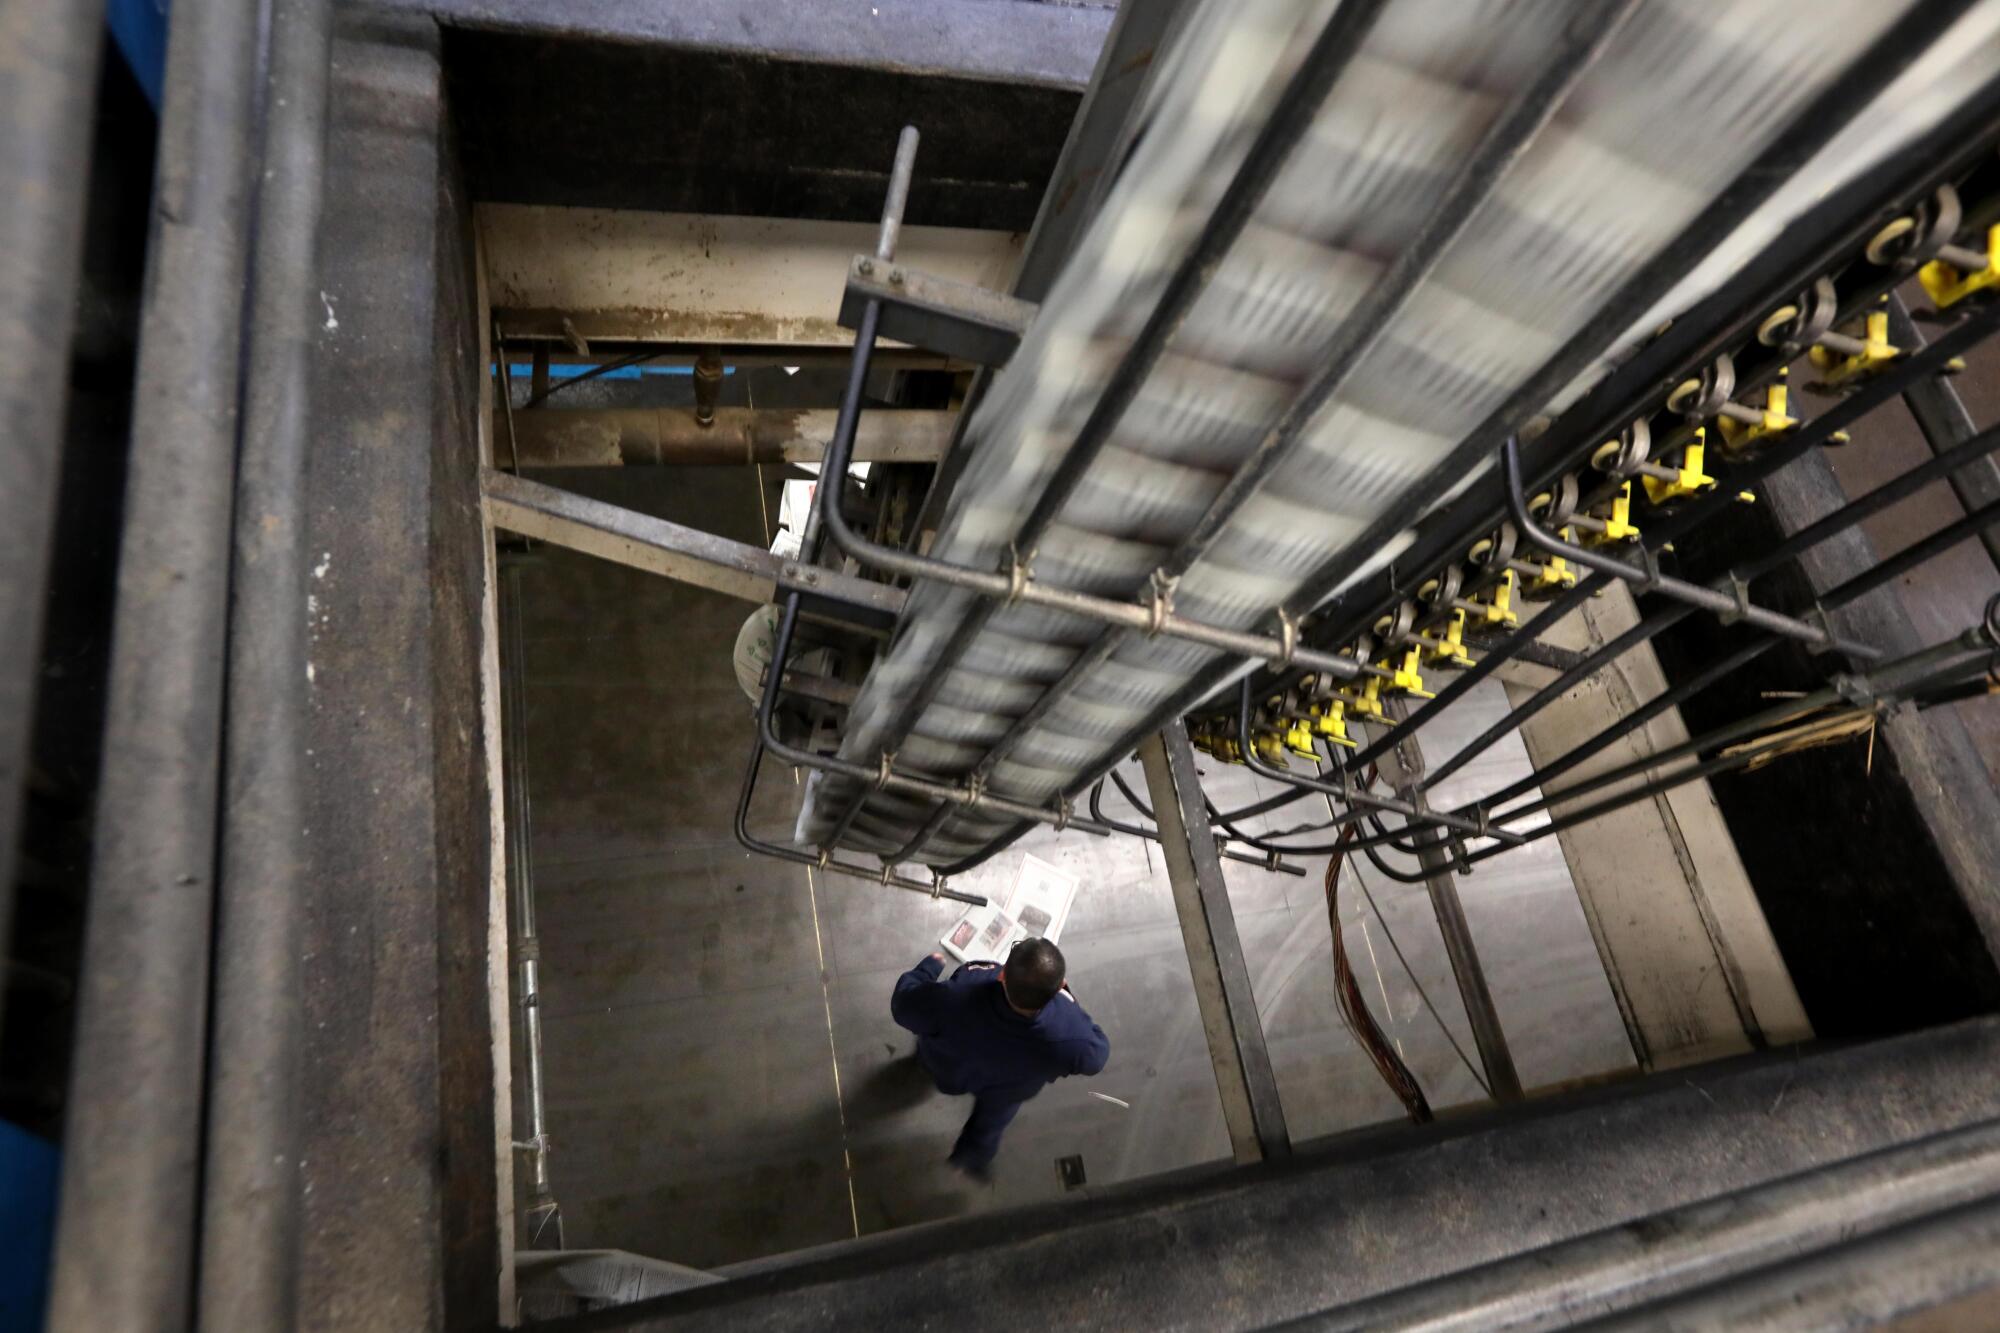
[{"x": 1034, "y": 974}]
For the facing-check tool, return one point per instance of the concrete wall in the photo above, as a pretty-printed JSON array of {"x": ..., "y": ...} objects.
[{"x": 398, "y": 1159}]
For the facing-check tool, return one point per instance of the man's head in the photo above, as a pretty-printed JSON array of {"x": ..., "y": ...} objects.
[{"x": 1033, "y": 974}]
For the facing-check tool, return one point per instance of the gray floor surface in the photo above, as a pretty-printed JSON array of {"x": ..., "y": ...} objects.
[{"x": 724, "y": 1081}]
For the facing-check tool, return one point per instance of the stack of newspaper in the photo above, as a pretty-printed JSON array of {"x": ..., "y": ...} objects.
[{"x": 1035, "y": 906}]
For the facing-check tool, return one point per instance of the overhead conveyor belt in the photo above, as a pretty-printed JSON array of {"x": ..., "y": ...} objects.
[{"x": 1345, "y": 241}]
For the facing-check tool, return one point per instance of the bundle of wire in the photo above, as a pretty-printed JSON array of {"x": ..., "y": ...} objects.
[
  {"x": 1354, "y": 1009},
  {"x": 1680, "y": 98}
]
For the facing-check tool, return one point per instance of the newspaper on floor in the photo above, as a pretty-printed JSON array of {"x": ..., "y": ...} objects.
[{"x": 1035, "y": 906}]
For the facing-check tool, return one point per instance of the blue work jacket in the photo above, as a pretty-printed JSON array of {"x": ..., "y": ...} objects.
[{"x": 973, "y": 1041}]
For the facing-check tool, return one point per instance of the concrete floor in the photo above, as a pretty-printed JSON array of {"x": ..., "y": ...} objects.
[{"x": 722, "y": 1078}]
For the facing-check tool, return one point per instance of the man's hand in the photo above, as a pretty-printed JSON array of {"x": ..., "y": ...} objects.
[{"x": 938, "y": 956}]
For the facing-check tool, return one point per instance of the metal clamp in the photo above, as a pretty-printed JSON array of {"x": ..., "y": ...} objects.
[
  {"x": 1649, "y": 559},
  {"x": 1856, "y": 690},
  {"x": 1160, "y": 600},
  {"x": 1740, "y": 590},
  {"x": 1065, "y": 808},
  {"x": 975, "y": 791},
  {"x": 1288, "y": 637},
  {"x": 885, "y": 767},
  {"x": 1018, "y": 573}
]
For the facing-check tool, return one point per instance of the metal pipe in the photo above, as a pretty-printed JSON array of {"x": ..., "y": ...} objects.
[
  {"x": 251, "y": 1202},
  {"x": 1833, "y": 600},
  {"x": 884, "y": 776},
  {"x": 1946, "y": 463},
  {"x": 1272, "y": 861},
  {"x": 672, "y": 437},
  {"x": 1215, "y": 816},
  {"x": 1647, "y": 578},
  {"x": 527, "y": 944},
  {"x": 126, "y": 1238},
  {"x": 824, "y": 860},
  {"x": 1909, "y": 371},
  {"x": 1357, "y": 799},
  {"x": 1489, "y": 662},
  {"x": 1357, "y": 335},
  {"x": 45, "y": 102},
  {"x": 1970, "y": 653},
  {"x": 1890, "y": 679},
  {"x": 897, "y": 198},
  {"x": 1517, "y": 716}
]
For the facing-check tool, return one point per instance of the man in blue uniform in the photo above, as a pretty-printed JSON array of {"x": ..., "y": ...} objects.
[{"x": 999, "y": 1032}]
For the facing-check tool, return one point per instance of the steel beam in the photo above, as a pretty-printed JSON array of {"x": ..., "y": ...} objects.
[
  {"x": 629, "y": 437},
  {"x": 1243, "y": 1074},
  {"x": 657, "y": 546},
  {"x": 623, "y": 275},
  {"x": 1372, "y": 1212},
  {"x": 1405, "y": 767},
  {"x": 1039, "y": 45},
  {"x": 1683, "y": 1255},
  {"x": 1945, "y": 424}
]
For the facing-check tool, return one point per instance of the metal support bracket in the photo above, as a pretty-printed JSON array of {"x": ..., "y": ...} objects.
[{"x": 936, "y": 314}]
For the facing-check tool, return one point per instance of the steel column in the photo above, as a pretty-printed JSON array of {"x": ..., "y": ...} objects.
[
  {"x": 45, "y": 102},
  {"x": 1405, "y": 767},
  {"x": 1243, "y": 1072},
  {"x": 126, "y": 1241}
]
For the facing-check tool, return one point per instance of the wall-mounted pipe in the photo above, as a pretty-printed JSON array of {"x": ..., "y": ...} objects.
[
  {"x": 129, "y": 1219},
  {"x": 251, "y": 1196}
]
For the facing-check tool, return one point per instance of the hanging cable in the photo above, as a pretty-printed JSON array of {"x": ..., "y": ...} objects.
[{"x": 1354, "y": 1007}]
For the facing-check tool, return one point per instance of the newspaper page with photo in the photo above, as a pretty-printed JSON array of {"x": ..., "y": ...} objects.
[{"x": 1035, "y": 906}]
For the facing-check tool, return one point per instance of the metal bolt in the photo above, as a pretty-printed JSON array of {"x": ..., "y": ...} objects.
[
  {"x": 895, "y": 277},
  {"x": 865, "y": 267}
]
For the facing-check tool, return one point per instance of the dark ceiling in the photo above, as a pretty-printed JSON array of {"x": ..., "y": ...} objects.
[{"x": 561, "y": 118}]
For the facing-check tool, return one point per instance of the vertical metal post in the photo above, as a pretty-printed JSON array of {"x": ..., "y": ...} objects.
[
  {"x": 527, "y": 944},
  {"x": 1243, "y": 1076},
  {"x": 1406, "y": 765},
  {"x": 125, "y": 1244},
  {"x": 250, "y": 1214},
  {"x": 45, "y": 102},
  {"x": 1941, "y": 416}
]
